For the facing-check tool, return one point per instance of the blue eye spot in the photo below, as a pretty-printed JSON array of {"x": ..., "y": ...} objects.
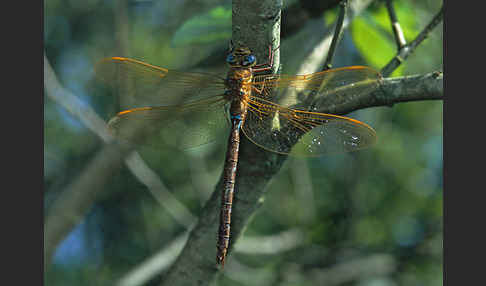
[
  {"x": 230, "y": 58},
  {"x": 249, "y": 60}
]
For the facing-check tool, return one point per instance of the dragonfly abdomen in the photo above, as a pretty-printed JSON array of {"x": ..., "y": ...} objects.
[
  {"x": 228, "y": 188},
  {"x": 238, "y": 89}
]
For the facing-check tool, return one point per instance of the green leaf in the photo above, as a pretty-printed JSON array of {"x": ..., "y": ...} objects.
[
  {"x": 206, "y": 28},
  {"x": 330, "y": 16},
  {"x": 373, "y": 36},
  {"x": 376, "y": 47}
]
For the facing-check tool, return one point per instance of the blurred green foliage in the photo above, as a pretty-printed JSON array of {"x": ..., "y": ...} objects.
[
  {"x": 208, "y": 28},
  {"x": 384, "y": 200}
]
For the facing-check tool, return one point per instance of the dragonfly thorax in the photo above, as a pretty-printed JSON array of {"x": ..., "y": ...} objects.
[
  {"x": 238, "y": 83},
  {"x": 238, "y": 89}
]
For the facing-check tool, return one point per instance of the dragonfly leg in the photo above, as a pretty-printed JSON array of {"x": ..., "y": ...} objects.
[
  {"x": 268, "y": 65},
  {"x": 270, "y": 58},
  {"x": 259, "y": 90},
  {"x": 262, "y": 88}
]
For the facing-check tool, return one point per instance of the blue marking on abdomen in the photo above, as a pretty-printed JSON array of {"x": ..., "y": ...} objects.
[{"x": 237, "y": 117}]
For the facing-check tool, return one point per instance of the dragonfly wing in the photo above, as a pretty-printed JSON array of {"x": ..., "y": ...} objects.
[
  {"x": 303, "y": 133},
  {"x": 150, "y": 85},
  {"x": 183, "y": 126},
  {"x": 314, "y": 91}
]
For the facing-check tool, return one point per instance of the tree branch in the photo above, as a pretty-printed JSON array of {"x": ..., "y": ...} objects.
[
  {"x": 256, "y": 24},
  {"x": 391, "y": 91},
  {"x": 337, "y": 34}
]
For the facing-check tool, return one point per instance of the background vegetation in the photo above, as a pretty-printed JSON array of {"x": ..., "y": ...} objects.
[{"x": 369, "y": 218}]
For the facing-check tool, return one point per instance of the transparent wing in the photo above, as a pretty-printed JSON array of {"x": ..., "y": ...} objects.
[
  {"x": 183, "y": 126},
  {"x": 150, "y": 85},
  {"x": 303, "y": 133},
  {"x": 312, "y": 91}
]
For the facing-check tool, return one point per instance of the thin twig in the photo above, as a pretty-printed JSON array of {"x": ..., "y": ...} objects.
[
  {"x": 73, "y": 105},
  {"x": 397, "y": 29},
  {"x": 337, "y": 34},
  {"x": 408, "y": 49},
  {"x": 312, "y": 62}
]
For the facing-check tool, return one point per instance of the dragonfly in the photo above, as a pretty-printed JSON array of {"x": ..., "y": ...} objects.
[{"x": 277, "y": 112}]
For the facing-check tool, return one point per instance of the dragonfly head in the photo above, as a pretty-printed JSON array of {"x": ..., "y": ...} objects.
[{"x": 241, "y": 58}]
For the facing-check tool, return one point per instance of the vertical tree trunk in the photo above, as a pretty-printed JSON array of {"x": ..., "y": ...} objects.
[{"x": 256, "y": 24}]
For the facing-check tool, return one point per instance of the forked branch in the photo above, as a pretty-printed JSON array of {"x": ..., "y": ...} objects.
[{"x": 405, "y": 50}]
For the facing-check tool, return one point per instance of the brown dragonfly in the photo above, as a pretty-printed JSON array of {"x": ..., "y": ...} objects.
[{"x": 276, "y": 112}]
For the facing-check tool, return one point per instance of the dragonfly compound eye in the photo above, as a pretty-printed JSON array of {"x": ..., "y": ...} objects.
[
  {"x": 249, "y": 60},
  {"x": 230, "y": 59}
]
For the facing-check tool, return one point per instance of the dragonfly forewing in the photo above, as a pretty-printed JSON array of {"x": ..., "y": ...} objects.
[
  {"x": 312, "y": 91},
  {"x": 151, "y": 85},
  {"x": 178, "y": 108}
]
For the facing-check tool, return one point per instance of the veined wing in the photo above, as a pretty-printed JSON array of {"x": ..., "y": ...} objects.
[
  {"x": 182, "y": 126},
  {"x": 151, "y": 85},
  {"x": 303, "y": 133},
  {"x": 310, "y": 92}
]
